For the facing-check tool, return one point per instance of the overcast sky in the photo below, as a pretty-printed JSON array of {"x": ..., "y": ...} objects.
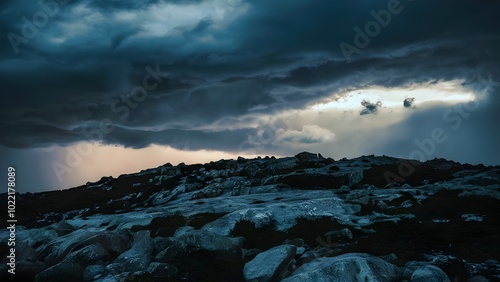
[{"x": 93, "y": 88}]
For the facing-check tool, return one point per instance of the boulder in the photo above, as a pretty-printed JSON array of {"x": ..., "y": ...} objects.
[
  {"x": 88, "y": 255},
  {"x": 196, "y": 240},
  {"x": 139, "y": 255},
  {"x": 298, "y": 242},
  {"x": 346, "y": 267},
  {"x": 55, "y": 251},
  {"x": 211, "y": 191},
  {"x": 429, "y": 273},
  {"x": 305, "y": 157},
  {"x": 228, "y": 185},
  {"x": 268, "y": 265},
  {"x": 63, "y": 228},
  {"x": 25, "y": 252},
  {"x": 183, "y": 230},
  {"x": 250, "y": 254},
  {"x": 113, "y": 242},
  {"x": 161, "y": 243},
  {"x": 355, "y": 177}
]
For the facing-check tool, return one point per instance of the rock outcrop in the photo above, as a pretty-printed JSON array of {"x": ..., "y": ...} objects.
[
  {"x": 302, "y": 218},
  {"x": 269, "y": 265},
  {"x": 347, "y": 267}
]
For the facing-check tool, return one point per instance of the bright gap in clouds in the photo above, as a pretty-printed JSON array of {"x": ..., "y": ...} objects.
[
  {"x": 75, "y": 166},
  {"x": 452, "y": 92}
]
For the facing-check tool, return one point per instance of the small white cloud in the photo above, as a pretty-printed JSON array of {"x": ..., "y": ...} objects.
[{"x": 308, "y": 135}]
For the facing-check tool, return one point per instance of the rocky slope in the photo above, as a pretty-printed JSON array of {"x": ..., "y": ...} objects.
[{"x": 302, "y": 218}]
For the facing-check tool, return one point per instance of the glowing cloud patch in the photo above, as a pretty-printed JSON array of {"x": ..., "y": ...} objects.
[{"x": 451, "y": 92}]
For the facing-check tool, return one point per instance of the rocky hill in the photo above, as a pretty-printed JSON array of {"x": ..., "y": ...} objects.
[{"x": 302, "y": 218}]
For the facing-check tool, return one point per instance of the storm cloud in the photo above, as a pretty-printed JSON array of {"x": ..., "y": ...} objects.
[
  {"x": 369, "y": 107},
  {"x": 409, "y": 102}
]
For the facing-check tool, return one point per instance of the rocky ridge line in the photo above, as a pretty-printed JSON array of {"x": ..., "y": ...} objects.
[{"x": 302, "y": 218}]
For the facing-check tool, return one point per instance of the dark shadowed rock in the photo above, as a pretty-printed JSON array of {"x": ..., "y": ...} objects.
[
  {"x": 225, "y": 248},
  {"x": 479, "y": 278},
  {"x": 93, "y": 272},
  {"x": 139, "y": 255},
  {"x": 268, "y": 265},
  {"x": 113, "y": 242},
  {"x": 308, "y": 157},
  {"x": 63, "y": 228},
  {"x": 28, "y": 269},
  {"x": 161, "y": 244},
  {"x": 64, "y": 271},
  {"x": 183, "y": 230},
  {"x": 162, "y": 270},
  {"x": 166, "y": 226},
  {"x": 297, "y": 242},
  {"x": 212, "y": 190},
  {"x": 25, "y": 252},
  {"x": 88, "y": 255},
  {"x": 205, "y": 255},
  {"x": 250, "y": 254}
]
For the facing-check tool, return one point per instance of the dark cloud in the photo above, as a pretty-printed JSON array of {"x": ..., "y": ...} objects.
[
  {"x": 224, "y": 58},
  {"x": 409, "y": 102},
  {"x": 369, "y": 107}
]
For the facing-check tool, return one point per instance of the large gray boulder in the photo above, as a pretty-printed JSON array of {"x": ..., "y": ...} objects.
[
  {"x": 347, "y": 267},
  {"x": 429, "y": 273},
  {"x": 268, "y": 265}
]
